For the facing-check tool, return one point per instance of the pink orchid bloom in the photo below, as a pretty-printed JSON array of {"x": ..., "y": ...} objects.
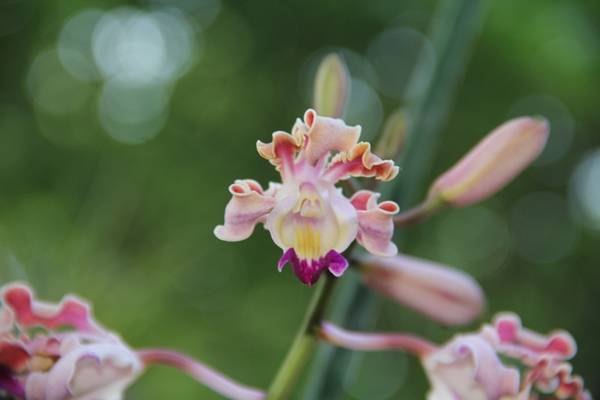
[
  {"x": 473, "y": 366},
  {"x": 87, "y": 362},
  {"x": 307, "y": 215},
  {"x": 58, "y": 352}
]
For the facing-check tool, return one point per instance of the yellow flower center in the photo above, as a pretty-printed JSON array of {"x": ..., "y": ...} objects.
[
  {"x": 40, "y": 363},
  {"x": 307, "y": 241}
]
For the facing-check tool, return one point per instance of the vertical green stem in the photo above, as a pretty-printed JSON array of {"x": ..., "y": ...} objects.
[
  {"x": 304, "y": 344},
  {"x": 429, "y": 97}
]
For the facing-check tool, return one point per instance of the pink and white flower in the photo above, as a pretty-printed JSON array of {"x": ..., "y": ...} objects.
[
  {"x": 503, "y": 361},
  {"x": 307, "y": 215},
  {"x": 85, "y": 362},
  {"x": 58, "y": 352}
]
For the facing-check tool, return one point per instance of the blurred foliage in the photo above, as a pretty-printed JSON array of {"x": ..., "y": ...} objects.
[{"x": 129, "y": 226}]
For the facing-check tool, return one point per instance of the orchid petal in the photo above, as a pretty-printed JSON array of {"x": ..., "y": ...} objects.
[
  {"x": 248, "y": 206},
  {"x": 71, "y": 311},
  {"x": 326, "y": 135},
  {"x": 375, "y": 223},
  {"x": 528, "y": 345},
  {"x": 358, "y": 161},
  {"x": 469, "y": 368},
  {"x": 281, "y": 151},
  {"x": 91, "y": 372},
  {"x": 13, "y": 355},
  {"x": 442, "y": 293}
]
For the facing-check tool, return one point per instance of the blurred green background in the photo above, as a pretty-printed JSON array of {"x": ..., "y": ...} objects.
[{"x": 122, "y": 123}]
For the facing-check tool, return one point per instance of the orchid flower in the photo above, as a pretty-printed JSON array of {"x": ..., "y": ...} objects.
[
  {"x": 503, "y": 361},
  {"x": 58, "y": 352},
  {"x": 307, "y": 216}
]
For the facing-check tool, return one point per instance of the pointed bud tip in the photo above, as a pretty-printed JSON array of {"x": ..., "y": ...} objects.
[
  {"x": 493, "y": 162},
  {"x": 331, "y": 87}
]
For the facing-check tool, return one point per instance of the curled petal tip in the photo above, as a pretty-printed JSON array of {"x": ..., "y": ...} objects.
[
  {"x": 493, "y": 163},
  {"x": 375, "y": 222},
  {"x": 248, "y": 206}
]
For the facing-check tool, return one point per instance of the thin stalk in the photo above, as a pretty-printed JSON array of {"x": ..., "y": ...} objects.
[
  {"x": 202, "y": 373},
  {"x": 360, "y": 341},
  {"x": 304, "y": 344},
  {"x": 429, "y": 97},
  {"x": 421, "y": 212}
]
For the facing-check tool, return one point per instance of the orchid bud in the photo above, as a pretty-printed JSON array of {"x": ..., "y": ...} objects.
[
  {"x": 493, "y": 163},
  {"x": 442, "y": 293},
  {"x": 331, "y": 86},
  {"x": 393, "y": 135}
]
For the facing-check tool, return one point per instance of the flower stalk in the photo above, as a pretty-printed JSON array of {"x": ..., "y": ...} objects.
[
  {"x": 454, "y": 29},
  {"x": 202, "y": 373},
  {"x": 375, "y": 341},
  {"x": 304, "y": 344}
]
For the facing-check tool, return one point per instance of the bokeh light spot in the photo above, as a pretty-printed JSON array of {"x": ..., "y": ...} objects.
[
  {"x": 75, "y": 45},
  {"x": 585, "y": 191},
  {"x": 475, "y": 239},
  {"x": 562, "y": 124},
  {"x": 364, "y": 108},
  {"x": 133, "y": 114},
  {"x": 132, "y": 47},
  {"x": 394, "y": 54},
  {"x": 53, "y": 89},
  {"x": 543, "y": 231}
]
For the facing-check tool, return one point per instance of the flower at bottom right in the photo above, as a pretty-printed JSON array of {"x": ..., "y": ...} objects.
[{"x": 502, "y": 361}]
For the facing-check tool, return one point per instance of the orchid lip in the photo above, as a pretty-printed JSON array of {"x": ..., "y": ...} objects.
[
  {"x": 10, "y": 385},
  {"x": 309, "y": 271}
]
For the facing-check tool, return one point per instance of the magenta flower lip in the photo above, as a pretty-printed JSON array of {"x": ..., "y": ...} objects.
[{"x": 308, "y": 271}]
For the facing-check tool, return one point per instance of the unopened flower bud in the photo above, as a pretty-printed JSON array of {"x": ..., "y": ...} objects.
[
  {"x": 493, "y": 163},
  {"x": 442, "y": 293},
  {"x": 331, "y": 86}
]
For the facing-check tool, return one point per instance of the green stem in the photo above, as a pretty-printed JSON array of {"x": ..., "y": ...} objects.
[
  {"x": 429, "y": 97},
  {"x": 304, "y": 344}
]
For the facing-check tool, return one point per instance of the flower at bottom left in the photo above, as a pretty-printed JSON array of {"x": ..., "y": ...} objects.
[{"x": 59, "y": 352}]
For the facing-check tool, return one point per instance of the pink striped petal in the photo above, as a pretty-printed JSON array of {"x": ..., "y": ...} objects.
[
  {"x": 528, "y": 345},
  {"x": 375, "y": 223},
  {"x": 493, "y": 163},
  {"x": 71, "y": 312},
  {"x": 326, "y": 135},
  {"x": 281, "y": 151},
  {"x": 248, "y": 207},
  {"x": 360, "y": 162},
  {"x": 442, "y": 293}
]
